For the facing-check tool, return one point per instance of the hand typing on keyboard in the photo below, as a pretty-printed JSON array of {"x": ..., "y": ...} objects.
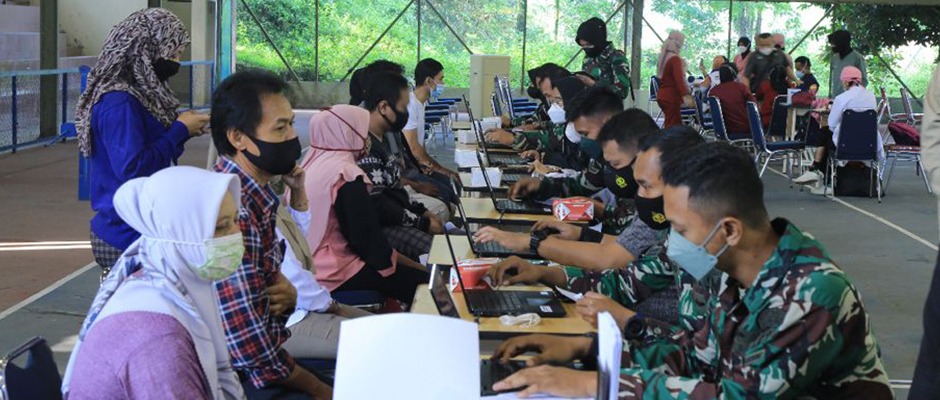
[{"x": 511, "y": 240}]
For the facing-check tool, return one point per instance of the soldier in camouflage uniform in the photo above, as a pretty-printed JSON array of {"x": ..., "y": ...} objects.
[
  {"x": 622, "y": 292},
  {"x": 783, "y": 321},
  {"x": 607, "y": 65}
]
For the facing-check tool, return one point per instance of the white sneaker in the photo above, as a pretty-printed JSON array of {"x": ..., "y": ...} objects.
[
  {"x": 808, "y": 177},
  {"x": 822, "y": 190}
]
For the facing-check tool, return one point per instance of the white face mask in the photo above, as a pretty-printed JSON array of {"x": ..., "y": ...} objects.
[
  {"x": 741, "y": 49},
  {"x": 572, "y": 134},
  {"x": 223, "y": 257},
  {"x": 556, "y": 113},
  {"x": 766, "y": 50}
]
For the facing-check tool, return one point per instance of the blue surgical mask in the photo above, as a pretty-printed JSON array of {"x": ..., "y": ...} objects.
[
  {"x": 591, "y": 148},
  {"x": 694, "y": 259},
  {"x": 437, "y": 91},
  {"x": 799, "y": 75}
]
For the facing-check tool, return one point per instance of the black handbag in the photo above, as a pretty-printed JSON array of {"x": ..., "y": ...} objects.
[{"x": 855, "y": 179}]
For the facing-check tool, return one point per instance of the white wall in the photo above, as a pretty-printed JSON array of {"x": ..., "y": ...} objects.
[{"x": 88, "y": 22}]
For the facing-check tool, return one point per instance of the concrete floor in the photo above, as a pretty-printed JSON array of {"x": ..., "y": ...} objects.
[{"x": 891, "y": 269}]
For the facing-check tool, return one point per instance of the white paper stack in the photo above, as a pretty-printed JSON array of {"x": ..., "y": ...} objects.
[
  {"x": 466, "y": 137},
  {"x": 476, "y": 177},
  {"x": 466, "y": 158},
  {"x": 407, "y": 356},
  {"x": 491, "y": 123}
]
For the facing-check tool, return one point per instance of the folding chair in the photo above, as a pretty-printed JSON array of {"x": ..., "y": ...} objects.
[
  {"x": 885, "y": 109},
  {"x": 738, "y": 139},
  {"x": 858, "y": 141},
  {"x": 904, "y": 153},
  {"x": 38, "y": 380},
  {"x": 654, "y": 91},
  {"x": 705, "y": 125},
  {"x": 783, "y": 150},
  {"x": 778, "y": 118},
  {"x": 912, "y": 118}
]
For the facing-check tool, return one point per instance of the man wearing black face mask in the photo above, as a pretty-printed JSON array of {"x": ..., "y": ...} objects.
[
  {"x": 386, "y": 99},
  {"x": 253, "y": 130},
  {"x": 586, "y": 248}
]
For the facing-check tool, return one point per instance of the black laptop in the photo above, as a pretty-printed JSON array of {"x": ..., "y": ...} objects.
[
  {"x": 510, "y": 206},
  {"x": 494, "y": 160},
  {"x": 488, "y": 249},
  {"x": 491, "y": 371},
  {"x": 496, "y": 303}
]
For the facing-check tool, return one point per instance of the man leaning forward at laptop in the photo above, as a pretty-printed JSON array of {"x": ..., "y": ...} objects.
[{"x": 782, "y": 320}]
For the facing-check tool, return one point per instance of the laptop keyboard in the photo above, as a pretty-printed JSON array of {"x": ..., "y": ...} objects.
[
  {"x": 502, "y": 302},
  {"x": 506, "y": 205},
  {"x": 507, "y": 160},
  {"x": 492, "y": 248},
  {"x": 513, "y": 178}
]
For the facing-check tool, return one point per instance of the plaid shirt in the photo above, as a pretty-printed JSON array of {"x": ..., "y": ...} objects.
[{"x": 255, "y": 336}]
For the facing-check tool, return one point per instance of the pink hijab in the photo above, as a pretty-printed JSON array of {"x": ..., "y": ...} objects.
[
  {"x": 337, "y": 139},
  {"x": 670, "y": 49}
]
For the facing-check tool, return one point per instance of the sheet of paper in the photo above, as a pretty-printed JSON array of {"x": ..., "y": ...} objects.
[
  {"x": 407, "y": 356},
  {"x": 569, "y": 294},
  {"x": 511, "y": 396},
  {"x": 610, "y": 347}
]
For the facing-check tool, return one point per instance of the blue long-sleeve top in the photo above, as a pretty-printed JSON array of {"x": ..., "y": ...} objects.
[{"x": 128, "y": 142}]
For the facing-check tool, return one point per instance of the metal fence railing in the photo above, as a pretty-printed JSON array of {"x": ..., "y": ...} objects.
[{"x": 20, "y": 104}]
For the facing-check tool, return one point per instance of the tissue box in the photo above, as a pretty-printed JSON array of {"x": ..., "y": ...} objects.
[
  {"x": 471, "y": 273},
  {"x": 476, "y": 177},
  {"x": 573, "y": 209},
  {"x": 491, "y": 123},
  {"x": 466, "y": 137},
  {"x": 466, "y": 158}
]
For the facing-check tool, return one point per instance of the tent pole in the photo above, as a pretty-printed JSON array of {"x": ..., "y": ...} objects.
[
  {"x": 811, "y": 30},
  {"x": 451, "y": 29},
  {"x": 525, "y": 16},
  {"x": 730, "y": 23},
  {"x": 369, "y": 50}
]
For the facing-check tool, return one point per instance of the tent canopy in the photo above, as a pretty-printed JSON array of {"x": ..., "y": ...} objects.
[{"x": 934, "y": 3}]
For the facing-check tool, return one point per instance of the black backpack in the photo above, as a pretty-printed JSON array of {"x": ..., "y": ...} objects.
[
  {"x": 778, "y": 78},
  {"x": 770, "y": 67}
]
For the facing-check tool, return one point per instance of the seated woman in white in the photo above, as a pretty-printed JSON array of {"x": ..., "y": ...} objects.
[{"x": 154, "y": 329}]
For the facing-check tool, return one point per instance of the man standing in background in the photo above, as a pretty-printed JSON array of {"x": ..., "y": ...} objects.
[{"x": 926, "y": 383}]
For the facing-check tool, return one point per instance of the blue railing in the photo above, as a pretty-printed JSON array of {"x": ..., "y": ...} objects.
[{"x": 19, "y": 102}]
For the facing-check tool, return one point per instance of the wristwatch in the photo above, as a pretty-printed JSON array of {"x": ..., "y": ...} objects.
[
  {"x": 536, "y": 239},
  {"x": 634, "y": 327}
]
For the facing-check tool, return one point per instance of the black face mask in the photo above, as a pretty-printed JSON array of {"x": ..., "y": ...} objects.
[
  {"x": 275, "y": 158},
  {"x": 165, "y": 69},
  {"x": 401, "y": 119},
  {"x": 651, "y": 212},
  {"x": 534, "y": 92},
  {"x": 620, "y": 182}
]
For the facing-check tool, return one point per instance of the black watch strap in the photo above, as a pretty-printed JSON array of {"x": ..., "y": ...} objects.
[{"x": 634, "y": 328}]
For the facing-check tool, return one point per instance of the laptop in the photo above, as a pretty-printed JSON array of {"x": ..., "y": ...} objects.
[
  {"x": 499, "y": 160},
  {"x": 513, "y": 207},
  {"x": 495, "y": 303},
  {"x": 491, "y": 371},
  {"x": 489, "y": 249}
]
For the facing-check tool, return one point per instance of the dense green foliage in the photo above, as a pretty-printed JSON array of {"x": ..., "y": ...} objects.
[{"x": 349, "y": 27}]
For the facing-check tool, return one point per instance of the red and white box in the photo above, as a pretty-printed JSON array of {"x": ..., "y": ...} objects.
[
  {"x": 573, "y": 209},
  {"x": 472, "y": 272}
]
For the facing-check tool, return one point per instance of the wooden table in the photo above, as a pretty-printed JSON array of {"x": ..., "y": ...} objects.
[
  {"x": 476, "y": 146},
  {"x": 461, "y": 125},
  {"x": 794, "y": 112},
  {"x": 481, "y": 210},
  {"x": 491, "y": 328},
  {"x": 440, "y": 253}
]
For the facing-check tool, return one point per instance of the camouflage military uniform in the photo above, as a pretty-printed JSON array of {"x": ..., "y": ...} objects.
[
  {"x": 587, "y": 183},
  {"x": 799, "y": 330},
  {"x": 611, "y": 69},
  {"x": 546, "y": 139},
  {"x": 638, "y": 282}
]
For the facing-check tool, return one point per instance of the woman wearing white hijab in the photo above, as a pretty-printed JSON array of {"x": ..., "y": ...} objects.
[{"x": 154, "y": 329}]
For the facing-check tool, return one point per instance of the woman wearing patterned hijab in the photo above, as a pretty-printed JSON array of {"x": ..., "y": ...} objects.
[{"x": 127, "y": 119}]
